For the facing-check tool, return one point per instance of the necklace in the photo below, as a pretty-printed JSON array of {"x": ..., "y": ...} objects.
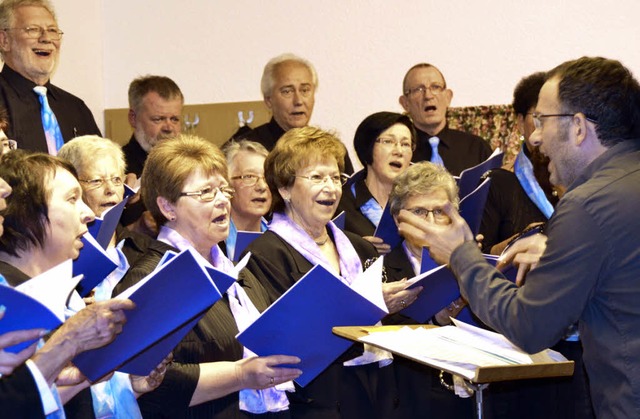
[{"x": 322, "y": 242}]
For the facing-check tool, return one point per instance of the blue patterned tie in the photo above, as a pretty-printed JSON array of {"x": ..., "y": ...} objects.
[
  {"x": 49, "y": 122},
  {"x": 435, "y": 156},
  {"x": 523, "y": 168}
]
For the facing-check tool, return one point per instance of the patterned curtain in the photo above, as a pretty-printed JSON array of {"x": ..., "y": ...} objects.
[{"x": 494, "y": 123}]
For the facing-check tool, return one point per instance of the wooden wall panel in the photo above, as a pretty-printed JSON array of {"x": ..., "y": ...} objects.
[{"x": 218, "y": 121}]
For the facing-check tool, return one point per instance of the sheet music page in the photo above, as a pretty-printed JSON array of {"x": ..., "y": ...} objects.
[
  {"x": 52, "y": 288},
  {"x": 460, "y": 350},
  {"x": 369, "y": 284}
]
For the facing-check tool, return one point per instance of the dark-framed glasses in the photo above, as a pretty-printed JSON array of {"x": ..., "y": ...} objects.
[
  {"x": 434, "y": 88},
  {"x": 405, "y": 145},
  {"x": 248, "y": 179},
  {"x": 209, "y": 193},
  {"x": 438, "y": 213},
  {"x": 36, "y": 32},
  {"x": 337, "y": 180},
  {"x": 100, "y": 181},
  {"x": 538, "y": 117}
]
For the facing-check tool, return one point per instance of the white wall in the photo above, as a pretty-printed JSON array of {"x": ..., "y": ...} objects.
[{"x": 216, "y": 49}]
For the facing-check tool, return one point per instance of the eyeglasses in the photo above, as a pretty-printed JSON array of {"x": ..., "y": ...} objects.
[
  {"x": 537, "y": 118},
  {"x": 304, "y": 91},
  {"x": 435, "y": 89},
  {"x": 36, "y": 32},
  {"x": 405, "y": 145},
  {"x": 9, "y": 145},
  {"x": 209, "y": 193},
  {"x": 248, "y": 180},
  {"x": 438, "y": 213},
  {"x": 99, "y": 182},
  {"x": 338, "y": 180}
]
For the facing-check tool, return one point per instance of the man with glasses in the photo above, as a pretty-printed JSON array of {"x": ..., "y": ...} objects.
[
  {"x": 588, "y": 124},
  {"x": 288, "y": 87},
  {"x": 426, "y": 98},
  {"x": 30, "y": 45}
]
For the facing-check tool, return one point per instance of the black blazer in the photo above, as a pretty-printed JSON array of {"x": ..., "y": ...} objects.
[
  {"x": 19, "y": 396},
  {"x": 338, "y": 392}
]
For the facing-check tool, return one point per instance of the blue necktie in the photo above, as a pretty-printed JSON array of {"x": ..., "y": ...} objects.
[
  {"x": 523, "y": 168},
  {"x": 435, "y": 156},
  {"x": 49, "y": 122}
]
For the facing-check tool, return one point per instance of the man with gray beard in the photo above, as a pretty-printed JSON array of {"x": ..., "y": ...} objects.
[{"x": 155, "y": 108}]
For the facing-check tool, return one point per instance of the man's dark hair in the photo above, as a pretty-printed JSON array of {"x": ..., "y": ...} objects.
[
  {"x": 525, "y": 95},
  {"x": 26, "y": 216},
  {"x": 606, "y": 92}
]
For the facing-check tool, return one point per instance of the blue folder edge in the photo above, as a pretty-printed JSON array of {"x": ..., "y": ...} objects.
[
  {"x": 162, "y": 307},
  {"x": 300, "y": 322},
  {"x": 440, "y": 289},
  {"x": 22, "y": 313},
  {"x": 387, "y": 229},
  {"x": 94, "y": 265}
]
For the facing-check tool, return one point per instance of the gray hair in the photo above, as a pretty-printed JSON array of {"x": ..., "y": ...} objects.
[
  {"x": 267, "y": 81},
  {"x": 420, "y": 179},
  {"x": 8, "y": 7},
  {"x": 82, "y": 151},
  {"x": 232, "y": 149}
]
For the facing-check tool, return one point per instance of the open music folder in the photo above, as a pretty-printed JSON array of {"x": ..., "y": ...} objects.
[
  {"x": 299, "y": 323},
  {"x": 169, "y": 302},
  {"x": 38, "y": 303}
]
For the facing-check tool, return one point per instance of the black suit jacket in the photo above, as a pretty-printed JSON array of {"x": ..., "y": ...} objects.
[
  {"x": 338, "y": 392},
  {"x": 23, "y": 107},
  {"x": 19, "y": 396},
  {"x": 268, "y": 135}
]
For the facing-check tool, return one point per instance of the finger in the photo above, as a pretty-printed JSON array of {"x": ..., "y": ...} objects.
[
  {"x": 415, "y": 228},
  {"x": 458, "y": 221},
  {"x": 282, "y": 359},
  {"x": 117, "y": 304},
  {"x": 526, "y": 258},
  {"x": 522, "y": 272},
  {"x": 17, "y": 336},
  {"x": 373, "y": 239}
]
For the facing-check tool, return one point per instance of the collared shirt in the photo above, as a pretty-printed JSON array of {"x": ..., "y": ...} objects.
[
  {"x": 23, "y": 106},
  {"x": 588, "y": 273},
  {"x": 459, "y": 150}
]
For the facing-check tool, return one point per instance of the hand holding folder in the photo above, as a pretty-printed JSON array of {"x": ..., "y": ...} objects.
[
  {"x": 299, "y": 323},
  {"x": 38, "y": 303},
  {"x": 169, "y": 302}
]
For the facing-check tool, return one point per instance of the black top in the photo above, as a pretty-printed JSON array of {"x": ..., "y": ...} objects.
[
  {"x": 81, "y": 405},
  {"x": 134, "y": 156},
  {"x": 459, "y": 150},
  {"x": 365, "y": 391},
  {"x": 19, "y": 396},
  {"x": 508, "y": 210},
  {"x": 23, "y": 107},
  {"x": 355, "y": 221},
  {"x": 268, "y": 134},
  {"x": 212, "y": 339}
]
